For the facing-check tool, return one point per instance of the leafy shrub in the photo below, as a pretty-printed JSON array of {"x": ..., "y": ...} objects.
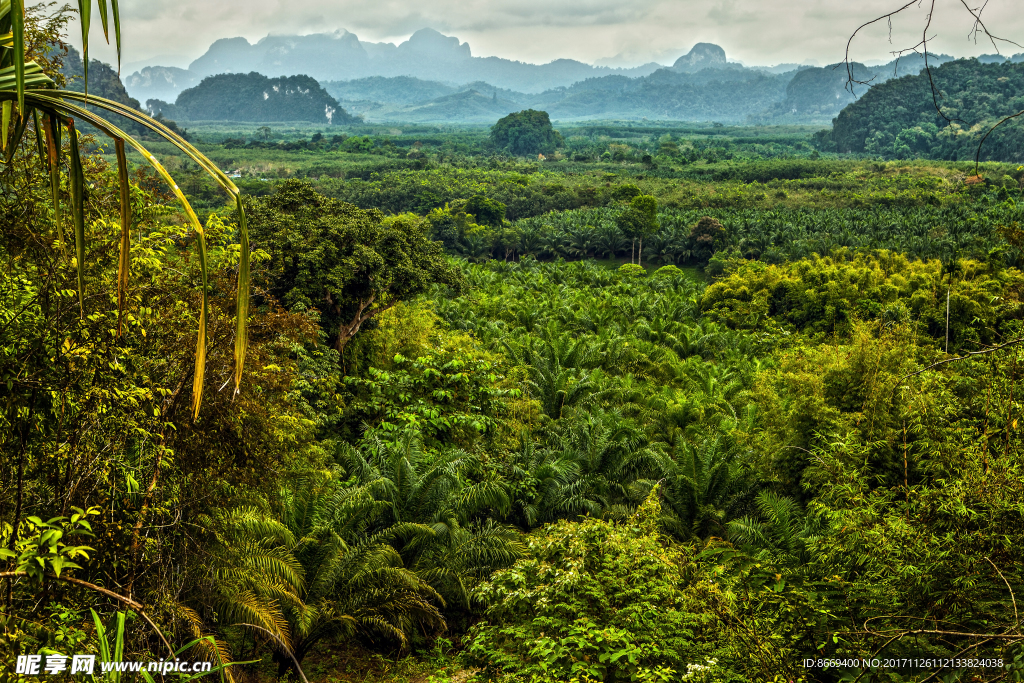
[
  {"x": 486, "y": 211},
  {"x": 595, "y": 599}
]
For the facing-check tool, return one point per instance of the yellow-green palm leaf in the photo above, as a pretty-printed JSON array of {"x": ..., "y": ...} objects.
[{"x": 26, "y": 92}]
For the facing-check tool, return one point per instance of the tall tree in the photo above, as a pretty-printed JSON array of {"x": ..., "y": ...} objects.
[
  {"x": 348, "y": 263},
  {"x": 639, "y": 220},
  {"x": 526, "y": 132}
]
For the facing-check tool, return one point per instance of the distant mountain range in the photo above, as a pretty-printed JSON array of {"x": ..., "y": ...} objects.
[
  {"x": 701, "y": 86},
  {"x": 427, "y": 54},
  {"x": 434, "y": 78}
]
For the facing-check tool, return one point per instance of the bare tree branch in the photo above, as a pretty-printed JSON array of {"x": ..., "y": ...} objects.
[
  {"x": 977, "y": 27},
  {"x": 969, "y": 355},
  {"x": 109, "y": 593}
]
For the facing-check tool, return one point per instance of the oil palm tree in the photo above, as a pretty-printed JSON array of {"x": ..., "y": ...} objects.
[
  {"x": 30, "y": 100},
  {"x": 705, "y": 485},
  {"x": 785, "y": 534},
  {"x": 440, "y": 520},
  {"x": 253, "y": 576},
  {"x": 354, "y": 581}
]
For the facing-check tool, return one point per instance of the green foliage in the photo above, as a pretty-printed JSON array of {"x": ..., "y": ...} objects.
[
  {"x": 632, "y": 270},
  {"x": 525, "y": 133},
  {"x": 451, "y": 396},
  {"x": 597, "y": 601},
  {"x": 614, "y": 475},
  {"x": 603, "y": 601},
  {"x": 625, "y": 192},
  {"x": 254, "y": 97},
  {"x": 40, "y": 548},
  {"x": 354, "y": 583},
  {"x": 897, "y": 119},
  {"x": 347, "y": 263},
  {"x": 826, "y": 295},
  {"x": 640, "y": 219},
  {"x": 486, "y": 211},
  {"x": 437, "y": 509},
  {"x": 771, "y": 235},
  {"x": 708, "y": 236}
]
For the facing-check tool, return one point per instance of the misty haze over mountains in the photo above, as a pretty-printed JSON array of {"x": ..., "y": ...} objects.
[
  {"x": 433, "y": 77},
  {"x": 341, "y": 56}
]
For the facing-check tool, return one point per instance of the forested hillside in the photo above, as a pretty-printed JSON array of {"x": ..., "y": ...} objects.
[
  {"x": 254, "y": 97},
  {"x": 898, "y": 119}
]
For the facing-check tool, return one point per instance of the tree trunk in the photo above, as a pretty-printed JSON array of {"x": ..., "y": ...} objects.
[
  {"x": 632, "y": 251},
  {"x": 165, "y": 410},
  {"x": 640, "y": 256},
  {"x": 348, "y": 330},
  {"x": 947, "y": 312}
]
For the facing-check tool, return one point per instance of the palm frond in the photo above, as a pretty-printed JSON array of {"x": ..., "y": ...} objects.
[{"x": 25, "y": 83}]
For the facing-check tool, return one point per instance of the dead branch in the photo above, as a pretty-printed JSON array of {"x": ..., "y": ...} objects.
[{"x": 969, "y": 355}]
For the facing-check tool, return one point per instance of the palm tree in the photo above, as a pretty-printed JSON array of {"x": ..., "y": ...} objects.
[
  {"x": 617, "y": 466},
  {"x": 30, "y": 100},
  {"x": 475, "y": 246},
  {"x": 784, "y": 536},
  {"x": 608, "y": 241},
  {"x": 354, "y": 581},
  {"x": 253, "y": 575},
  {"x": 705, "y": 486},
  {"x": 442, "y": 522},
  {"x": 554, "y": 380},
  {"x": 543, "y": 477}
]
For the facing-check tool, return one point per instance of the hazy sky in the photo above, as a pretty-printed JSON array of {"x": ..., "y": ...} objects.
[{"x": 618, "y": 32}]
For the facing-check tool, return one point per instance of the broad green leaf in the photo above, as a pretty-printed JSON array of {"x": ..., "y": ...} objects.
[
  {"x": 124, "y": 252},
  {"x": 77, "y": 210},
  {"x": 85, "y": 15},
  {"x": 18, "y": 29},
  {"x": 119, "y": 635}
]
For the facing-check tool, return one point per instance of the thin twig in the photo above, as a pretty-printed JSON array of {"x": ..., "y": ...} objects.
[
  {"x": 1016, "y": 619},
  {"x": 977, "y": 156},
  {"x": 969, "y": 355},
  {"x": 109, "y": 593},
  {"x": 979, "y": 25}
]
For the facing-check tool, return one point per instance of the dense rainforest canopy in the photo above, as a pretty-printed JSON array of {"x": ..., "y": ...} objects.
[{"x": 684, "y": 404}]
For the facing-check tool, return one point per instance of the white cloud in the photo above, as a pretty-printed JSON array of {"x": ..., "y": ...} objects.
[{"x": 754, "y": 32}]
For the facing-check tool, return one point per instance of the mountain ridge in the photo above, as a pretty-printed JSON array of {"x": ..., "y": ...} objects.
[{"x": 340, "y": 55}]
